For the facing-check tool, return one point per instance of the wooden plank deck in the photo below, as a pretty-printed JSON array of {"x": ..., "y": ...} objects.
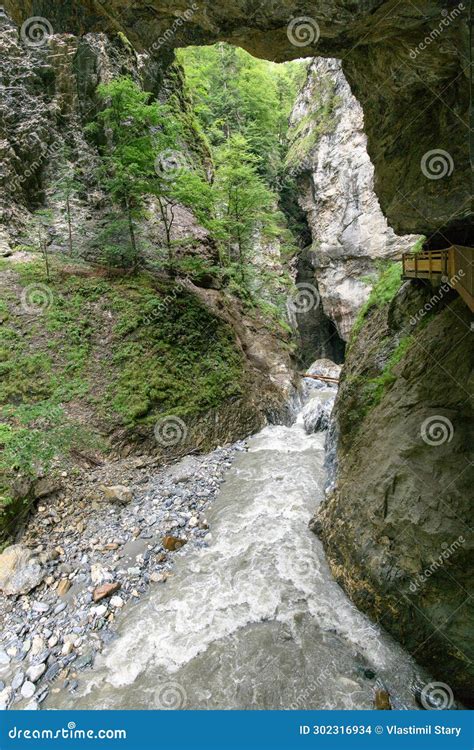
[{"x": 454, "y": 265}]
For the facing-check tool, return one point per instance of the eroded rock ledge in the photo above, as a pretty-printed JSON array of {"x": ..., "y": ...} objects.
[{"x": 407, "y": 66}]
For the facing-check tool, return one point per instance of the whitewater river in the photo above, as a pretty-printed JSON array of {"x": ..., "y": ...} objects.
[{"x": 254, "y": 621}]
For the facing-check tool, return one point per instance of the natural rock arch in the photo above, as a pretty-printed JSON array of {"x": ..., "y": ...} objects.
[{"x": 409, "y": 68}]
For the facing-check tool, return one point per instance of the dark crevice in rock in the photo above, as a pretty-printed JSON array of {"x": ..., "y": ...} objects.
[{"x": 318, "y": 334}]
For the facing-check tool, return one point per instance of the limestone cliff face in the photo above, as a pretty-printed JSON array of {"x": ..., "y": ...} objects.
[
  {"x": 336, "y": 179},
  {"x": 396, "y": 526},
  {"x": 407, "y": 65}
]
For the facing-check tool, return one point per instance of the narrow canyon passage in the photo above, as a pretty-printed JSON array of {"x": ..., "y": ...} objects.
[{"x": 255, "y": 620}]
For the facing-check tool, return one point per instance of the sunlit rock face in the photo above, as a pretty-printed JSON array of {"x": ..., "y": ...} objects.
[
  {"x": 407, "y": 65},
  {"x": 335, "y": 176}
]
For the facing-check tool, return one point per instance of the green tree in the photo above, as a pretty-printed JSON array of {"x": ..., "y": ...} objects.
[
  {"x": 65, "y": 186},
  {"x": 142, "y": 156},
  {"x": 235, "y": 93},
  {"x": 44, "y": 218},
  {"x": 136, "y": 132},
  {"x": 243, "y": 201}
]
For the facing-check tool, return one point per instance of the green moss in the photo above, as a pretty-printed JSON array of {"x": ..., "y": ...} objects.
[
  {"x": 418, "y": 246},
  {"x": 43, "y": 365},
  {"x": 375, "y": 388},
  {"x": 162, "y": 353},
  {"x": 180, "y": 103},
  {"x": 384, "y": 290},
  {"x": 320, "y": 120},
  {"x": 170, "y": 356},
  {"x": 125, "y": 41}
]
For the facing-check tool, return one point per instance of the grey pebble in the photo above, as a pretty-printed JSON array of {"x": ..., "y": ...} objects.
[
  {"x": 17, "y": 681},
  {"x": 42, "y": 657},
  {"x": 52, "y": 672},
  {"x": 28, "y": 689},
  {"x": 84, "y": 661},
  {"x": 4, "y": 658}
]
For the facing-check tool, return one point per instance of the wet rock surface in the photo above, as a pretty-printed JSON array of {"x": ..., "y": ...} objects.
[{"x": 97, "y": 557}]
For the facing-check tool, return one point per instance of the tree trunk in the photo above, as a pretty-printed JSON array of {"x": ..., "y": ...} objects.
[
  {"x": 44, "y": 251},
  {"x": 167, "y": 225},
  {"x": 68, "y": 209},
  {"x": 132, "y": 236}
]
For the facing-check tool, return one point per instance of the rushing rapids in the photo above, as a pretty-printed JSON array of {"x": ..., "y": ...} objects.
[{"x": 255, "y": 620}]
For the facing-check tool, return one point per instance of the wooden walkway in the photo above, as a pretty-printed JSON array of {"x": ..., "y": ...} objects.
[{"x": 454, "y": 265}]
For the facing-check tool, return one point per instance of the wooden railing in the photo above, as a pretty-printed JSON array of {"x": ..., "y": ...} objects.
[{"x": 453, "y": 265}]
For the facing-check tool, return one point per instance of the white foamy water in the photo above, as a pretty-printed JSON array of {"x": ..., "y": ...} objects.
[{"x": 255, "y": 620}]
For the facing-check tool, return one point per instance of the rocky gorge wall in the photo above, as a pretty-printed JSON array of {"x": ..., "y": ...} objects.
[
  {"x": 396, "y": 526},
  {"x": 328, "y": 156},
  {"x": 401, "y": 502}
]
